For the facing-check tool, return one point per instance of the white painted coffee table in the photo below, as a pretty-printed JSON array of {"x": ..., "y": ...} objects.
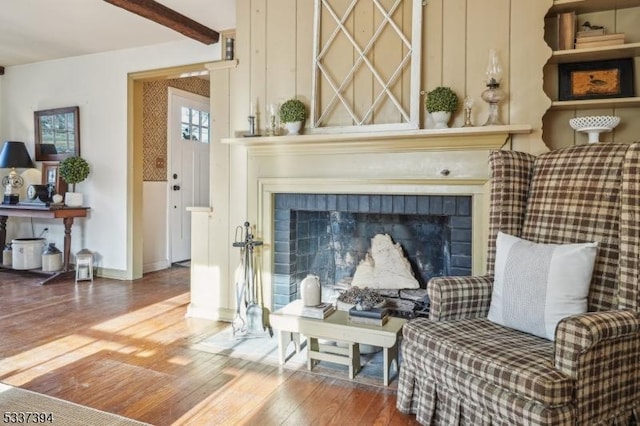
[{"x": 337, "y": 327}]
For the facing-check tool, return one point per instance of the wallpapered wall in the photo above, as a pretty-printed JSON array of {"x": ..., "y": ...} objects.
[{"x": 154, "y": 118}]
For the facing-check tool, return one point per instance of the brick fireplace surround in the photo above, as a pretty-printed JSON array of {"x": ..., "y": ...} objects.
[{"x": 248, "y": 173}]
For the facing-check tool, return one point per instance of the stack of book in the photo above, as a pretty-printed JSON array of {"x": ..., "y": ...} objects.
[
  {"x": 373, "y": 316},
  {"x": 597, "y": 38},
  {"x": 297, "y": 308}
]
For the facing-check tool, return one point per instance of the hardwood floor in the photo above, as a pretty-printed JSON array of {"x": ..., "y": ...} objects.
[{"x": 124, "y": 347}]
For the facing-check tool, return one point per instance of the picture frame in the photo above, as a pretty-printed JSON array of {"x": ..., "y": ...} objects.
[
  {"x": 51, "y": 176},
  {"x": 57, "y": 133},
  {"x": 596, "y": 79}
]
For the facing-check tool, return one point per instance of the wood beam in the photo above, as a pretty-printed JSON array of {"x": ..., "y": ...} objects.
[
  {"x": 1, "y": 70},
  {"x": 163, "y": 15}
]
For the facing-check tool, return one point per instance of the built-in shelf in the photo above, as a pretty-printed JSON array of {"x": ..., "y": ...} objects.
[
  {"x": 596, "y": 53},
  {"x": 461, "y": 138},
  {"x": 588, "y": 6},
  {"x": 596, "y": 103}
]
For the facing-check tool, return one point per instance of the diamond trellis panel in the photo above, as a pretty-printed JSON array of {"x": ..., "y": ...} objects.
[{"x": 366, "y": 63}]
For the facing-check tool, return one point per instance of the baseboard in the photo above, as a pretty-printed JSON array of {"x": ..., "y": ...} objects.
[
  {"x": 115, "y": 274},
  {"x": 221, "y": 314},
  {"x": 155, "y": 266}
]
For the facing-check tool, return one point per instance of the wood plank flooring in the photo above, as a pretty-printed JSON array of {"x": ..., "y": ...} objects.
[{"x": 124, "y": 347}]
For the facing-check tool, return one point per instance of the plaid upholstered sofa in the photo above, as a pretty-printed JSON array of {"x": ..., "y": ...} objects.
[{"x": 461, "y": 368}]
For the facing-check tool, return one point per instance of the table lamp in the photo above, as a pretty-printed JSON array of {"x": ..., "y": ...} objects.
[{"x": 14, "y": 155}]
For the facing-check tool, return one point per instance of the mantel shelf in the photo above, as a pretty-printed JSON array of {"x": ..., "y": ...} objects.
[{"x": 461, "y": 138}]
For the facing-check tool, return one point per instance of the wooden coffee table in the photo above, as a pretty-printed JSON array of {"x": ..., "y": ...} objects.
[{"x": 337, "y": 327}]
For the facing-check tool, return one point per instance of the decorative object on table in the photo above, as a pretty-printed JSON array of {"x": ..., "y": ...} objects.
[
  {"x": 493, "y": 94},
  {"x": 440, "y": 103},
  {"x": 57, "y": 199},
  {"x": 371, "y": 316},
  {"x": 7, "y": 255},
  {"x": 229, "y": 49},
  {"x": 40, "y": 195},
  {"x": 57, "y": 133},
  {"x": 27, "y": 253},
  {"x": 297, "y": 308},
  {"x": 292, "y": 114},
  {"x": 468, "y": 104},
  {"x": 51, "y": 176},
  {"x": 596, "y": 79},
  {"x": 14, "y": 155},
  {"x": 51, "y": 259},
  {"x": 84, "y": 265},
  {"x": 74, "y": 170},
  {"x": 365, "y": 296},
  {"x": 310, "y": 290},
  {"x": 252, "y": 121},
  {"x": 273, "y": 119},
  {"x": 594, "y": 125}
]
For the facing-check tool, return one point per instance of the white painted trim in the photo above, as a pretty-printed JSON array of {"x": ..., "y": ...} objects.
[
  {"x": 155, "y": 266},
  {"x": 222, "y": 314}
]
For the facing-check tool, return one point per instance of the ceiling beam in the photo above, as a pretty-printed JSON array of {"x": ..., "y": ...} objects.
[
  {"x": 161, "y": 14},
  {"x": 1, "y": 70}
]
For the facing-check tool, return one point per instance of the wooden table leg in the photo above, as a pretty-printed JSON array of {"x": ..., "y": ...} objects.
[
  {"x": 3, "y": 231},
  {"x": 68, "y": 222}
]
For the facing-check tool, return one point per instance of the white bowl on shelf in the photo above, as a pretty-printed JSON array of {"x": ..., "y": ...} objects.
[{"x": 593, "y": 125}]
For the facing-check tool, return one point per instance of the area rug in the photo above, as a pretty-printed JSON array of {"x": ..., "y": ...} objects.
[
  {"x": 24, "y": 406},
  {"x": 264, "y": 349}
]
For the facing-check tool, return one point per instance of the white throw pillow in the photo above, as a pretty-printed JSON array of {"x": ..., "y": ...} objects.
[{"x": 536, "y": 285}]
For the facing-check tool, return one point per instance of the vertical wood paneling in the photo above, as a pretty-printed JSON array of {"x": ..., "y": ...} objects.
[
  {"x": 364, "y": 83},
  {"x": 304, "y": 53},
  {"x": 627, "y": 22},
  {"x": 281, "y": 49},
  {"x": 259, "y": 43},
  {"x": 388, "y": 55},
  {"x": 526, "y": 102},
  {"x": 488, "y": 26},
  {"x": 454, "y": 60},
  {"x": 240, "y": 78},
  {"x": 432, "y": 51}
]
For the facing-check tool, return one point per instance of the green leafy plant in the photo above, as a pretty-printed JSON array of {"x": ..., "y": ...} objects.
[
  {"x": 292, "y": 110},
  {"x": 441, "y": 99},
  {"x": 74, "y": 170}
]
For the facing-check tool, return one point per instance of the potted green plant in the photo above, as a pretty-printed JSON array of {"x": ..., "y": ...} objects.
[
  {"x": 292, "y": 114},
  {"x": 74, "y": 170},
  {"x": 440, "y": 103}
]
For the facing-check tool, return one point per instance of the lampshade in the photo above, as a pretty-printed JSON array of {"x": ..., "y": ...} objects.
[{"x": 15, "y": 155}]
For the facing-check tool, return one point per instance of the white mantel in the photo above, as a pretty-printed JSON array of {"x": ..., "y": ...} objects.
[{"x": 444, "y": 162}]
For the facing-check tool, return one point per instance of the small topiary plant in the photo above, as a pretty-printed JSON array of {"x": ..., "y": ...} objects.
[
  {"x": 74, "y": 170},
  {"x": 441, "y": 99},
  {"x": 292, "y": 110}
]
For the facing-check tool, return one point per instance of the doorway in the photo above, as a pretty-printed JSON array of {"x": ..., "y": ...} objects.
[{"x": 188, "y": 137}]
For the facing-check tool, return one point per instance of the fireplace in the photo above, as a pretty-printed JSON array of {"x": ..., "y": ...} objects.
[{"x": 329, "y": 234}]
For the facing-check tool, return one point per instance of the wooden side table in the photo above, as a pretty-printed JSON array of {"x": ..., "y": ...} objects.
[{"x": 337, "y": 327}]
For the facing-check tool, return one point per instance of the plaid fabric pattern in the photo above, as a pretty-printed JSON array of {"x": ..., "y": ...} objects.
[
  {"x": 471, "y": 371},
  {"x": 459, "y": 297},
  {"x": 629, "y": 290},
  {"x": 575, "y": 198},
  {"x": 510, "y": 177}
]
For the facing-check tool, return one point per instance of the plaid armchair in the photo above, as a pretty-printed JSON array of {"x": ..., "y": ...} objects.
[{"x": 460, "y": 368}]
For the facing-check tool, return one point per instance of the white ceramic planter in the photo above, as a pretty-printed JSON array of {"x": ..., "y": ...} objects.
[
  {"x": 441, "y": 119},
  {"x": 73, "y": 199},
  {"x": 293, "y": 128}
]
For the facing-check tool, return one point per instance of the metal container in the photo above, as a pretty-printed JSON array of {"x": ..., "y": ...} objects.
[{"x": 27, "y": 253}]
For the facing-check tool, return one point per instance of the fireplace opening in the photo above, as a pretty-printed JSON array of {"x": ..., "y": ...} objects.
[{"x": 328, "y": 235}]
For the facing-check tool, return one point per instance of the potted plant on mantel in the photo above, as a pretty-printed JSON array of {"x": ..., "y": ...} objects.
[
  {"x": 440, "y": 103},
  {"x": 293, "y": 114},
  {"x": 74, "y": 170}
]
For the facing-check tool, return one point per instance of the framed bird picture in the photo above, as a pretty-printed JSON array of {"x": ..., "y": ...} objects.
[{"x": 596, "y": 79}]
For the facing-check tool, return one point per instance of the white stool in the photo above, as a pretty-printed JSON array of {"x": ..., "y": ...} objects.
[{"x": 84, "y": 265}]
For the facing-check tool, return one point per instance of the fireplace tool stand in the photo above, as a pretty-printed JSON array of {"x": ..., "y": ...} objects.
[{"x": 249, "y": 318}]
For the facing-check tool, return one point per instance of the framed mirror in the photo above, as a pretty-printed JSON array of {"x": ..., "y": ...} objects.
[{"x": 57, "y": 133}]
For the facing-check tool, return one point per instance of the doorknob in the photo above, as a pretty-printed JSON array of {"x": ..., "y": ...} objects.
[{"x": 176, "y": 187}]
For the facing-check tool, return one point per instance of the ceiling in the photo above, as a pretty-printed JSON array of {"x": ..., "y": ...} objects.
[{"x": 40, "y": 30}]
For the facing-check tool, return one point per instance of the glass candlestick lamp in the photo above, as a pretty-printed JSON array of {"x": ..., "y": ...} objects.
[{"x": 493, "y": 94}]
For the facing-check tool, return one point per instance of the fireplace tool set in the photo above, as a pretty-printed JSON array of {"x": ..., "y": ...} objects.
[{"x": 249, "y": 318}]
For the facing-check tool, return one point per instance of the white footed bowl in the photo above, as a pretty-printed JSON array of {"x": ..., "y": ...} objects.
[{"x": 593, "y": 125}]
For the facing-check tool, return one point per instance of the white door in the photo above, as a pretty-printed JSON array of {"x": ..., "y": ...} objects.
[{"x": 188, "y": 177}]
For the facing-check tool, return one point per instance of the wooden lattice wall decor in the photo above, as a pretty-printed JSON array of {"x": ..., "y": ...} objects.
[{"x": 366, "y": 72}]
